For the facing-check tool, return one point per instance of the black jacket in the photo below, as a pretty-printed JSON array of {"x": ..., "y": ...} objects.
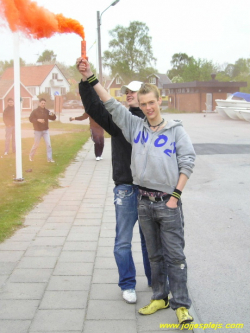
[
  {"x": 121, "y": 149},
  {"x": 41, "y": 113},
  {"x": 9, "y": 116}
]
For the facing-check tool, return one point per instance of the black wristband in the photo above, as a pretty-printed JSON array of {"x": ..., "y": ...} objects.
[
  {"x": 176, "y": 194},
  {"x": 92, "y": 80}
]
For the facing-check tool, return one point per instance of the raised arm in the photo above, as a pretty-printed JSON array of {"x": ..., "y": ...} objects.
[{"x": 84, "y": 69}]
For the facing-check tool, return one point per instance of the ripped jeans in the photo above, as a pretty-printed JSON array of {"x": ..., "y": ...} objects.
[
  {"x": 125, "y": 200},
  {"x": 163, "y": 228}
]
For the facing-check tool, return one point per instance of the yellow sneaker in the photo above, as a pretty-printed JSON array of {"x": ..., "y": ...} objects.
[
  {"x": 153, "y": 306},
  {"x": 183, "y": 315}
]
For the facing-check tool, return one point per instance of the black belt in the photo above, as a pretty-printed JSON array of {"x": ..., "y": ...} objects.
[{"x": 156, "y": 199}]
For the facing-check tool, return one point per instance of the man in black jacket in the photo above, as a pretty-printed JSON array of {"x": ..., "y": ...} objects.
[
  {"x": 125, "y": 193},
  {"x": 40, "y": 119},
  {"x": 9, "y": 121}
]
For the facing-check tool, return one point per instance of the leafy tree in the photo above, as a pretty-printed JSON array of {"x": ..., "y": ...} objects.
[
  {"x": 179, "y": 61},
  {"x": 6, "y": 64},
  {"x": 177, "y": 79},
  {"x": 130, "y": 51},
  {"x": 198, "y": 70},
  {"x": 47, "y": 56}
]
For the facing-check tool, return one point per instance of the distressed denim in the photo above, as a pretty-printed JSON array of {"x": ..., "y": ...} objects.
[
  {"x": 10, "y": 133},
  {"x": 38, "y": 136},
  {"x": 163, "y": 228},
  {"x": 125, "y": 200}
]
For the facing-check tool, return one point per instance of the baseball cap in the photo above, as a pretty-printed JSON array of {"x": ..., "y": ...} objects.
[{"x": 133, "y": 86}]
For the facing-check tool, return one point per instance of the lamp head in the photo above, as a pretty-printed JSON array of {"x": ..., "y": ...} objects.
[{"x": 115, "y": 2}]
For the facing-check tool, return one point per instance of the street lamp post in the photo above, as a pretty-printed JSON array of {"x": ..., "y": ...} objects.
[{"x": 99, "y": 38}]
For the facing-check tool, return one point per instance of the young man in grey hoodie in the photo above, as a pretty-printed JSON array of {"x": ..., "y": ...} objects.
[{"x": 162, "y": 161}]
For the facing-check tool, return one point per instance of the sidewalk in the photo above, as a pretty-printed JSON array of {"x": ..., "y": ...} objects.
[{"x": 58, "y": 274}]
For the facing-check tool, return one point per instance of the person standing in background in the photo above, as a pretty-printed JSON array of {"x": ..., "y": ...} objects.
[
  {"x": 9, "y": 121},
  {"x": 97, "y": 134}
]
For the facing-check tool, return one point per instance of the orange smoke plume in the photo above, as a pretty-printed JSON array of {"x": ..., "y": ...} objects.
[{"x": 35, "y": 21}]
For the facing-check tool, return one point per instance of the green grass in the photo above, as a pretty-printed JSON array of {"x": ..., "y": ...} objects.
[{"x": 17, "y": 199}]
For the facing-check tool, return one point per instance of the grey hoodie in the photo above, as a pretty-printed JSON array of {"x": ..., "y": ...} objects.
[{"x": 159, "y": 157}]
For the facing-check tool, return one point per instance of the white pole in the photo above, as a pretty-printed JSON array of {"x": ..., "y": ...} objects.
[{"x": 17, "y": 99}]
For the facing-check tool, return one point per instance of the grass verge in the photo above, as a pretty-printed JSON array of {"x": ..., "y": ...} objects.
[{"x": 39, "y": 176}]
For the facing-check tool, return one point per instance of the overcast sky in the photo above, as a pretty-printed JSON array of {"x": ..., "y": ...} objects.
[{"x": 214, "y": 30}]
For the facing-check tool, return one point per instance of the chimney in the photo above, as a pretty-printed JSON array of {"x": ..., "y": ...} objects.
[{"x": 213, "y": 76}]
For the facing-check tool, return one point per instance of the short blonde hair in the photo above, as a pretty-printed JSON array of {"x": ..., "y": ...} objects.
[{"x": 147, "y": 88}]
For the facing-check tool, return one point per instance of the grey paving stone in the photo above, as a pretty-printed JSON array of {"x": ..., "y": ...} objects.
[
  {"x": 80, "y": 246},
  {"x": 106, "y": 241},
  {"x": 83, "y": 215},
  {"x": 104, "y": 309},
  {"x": 105, "y": 276},
  {"x": 84, "y": 229},
  {"x": 33, "y": 222},
  {"x": 60, "y": 213},
  {"x": 10, "y": 256},
  {"x": 37, "y": 262},
  {"x": 69, "y": 283},
  {"x": 108, "y": 219},
  {"x": 53, "y": 233},
  {"x": 104, "y": 291},
  {"x": 108, "y": 326},
  {"x": 3, "y": 279},
  {"x": 14, "y": 246},
  {"x": 21, "y": 237},
  {"x": 77, "y": 256},
  {"x": 7, "y": 267},
  {"x": 58, "y": 320},
  {"x": 56, "y": 226},
  {"x": 66, "y": 208},
  {"x": 60, "y": 219},
  {"x": 105, "y": 263},
  {"x": 62, "y": 299},
  {"x": 31, "y": 275},
  {"x": 52, "y": 241},
  {"x": 43, "y": 251},
  {"x": 18, "y": 309},
  {"x": 14, "y": 326},
  {"x": 37, "y": 216},
  {"x": 105, "y": 251},
  {"x": 108, "y": 226},
  {"x": 91, "y": 236},
  {"x": 86, "y": 222},
  {"x": 73, "y": 269},
  {"x": 23, "y": 291},
  {"x": 107, "y": 233}
]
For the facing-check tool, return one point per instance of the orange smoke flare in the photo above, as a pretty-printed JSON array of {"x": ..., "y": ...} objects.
[{"x": 35, "y": 21}]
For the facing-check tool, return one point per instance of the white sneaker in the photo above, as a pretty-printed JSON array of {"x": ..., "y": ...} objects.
[
  {"x": 98, "y": 158},
  {"x": 129, "y": 296},
  {"x": 101, "y": 158},
  {"x": 30, "y": 158},
  {"x": 51, "y": 161},
  {"x": 6, "y": 153}
]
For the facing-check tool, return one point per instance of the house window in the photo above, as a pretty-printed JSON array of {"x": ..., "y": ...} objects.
[
  {"x": 118, "y": 80},
  {"x": 32, "y": 90},
  {"x": 163, "y": 93},
  {"x": 26, "y": 103},
  {"x": 48, "y": 90},
  {"x": 118, "y": 93},
  {"x": 54, "y": 76},
  {"x": 152, "y": 80},
  {"x": 63, "y": 91}
]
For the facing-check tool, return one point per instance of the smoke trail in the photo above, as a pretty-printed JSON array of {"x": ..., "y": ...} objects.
[{"x": 35, "y": 21}]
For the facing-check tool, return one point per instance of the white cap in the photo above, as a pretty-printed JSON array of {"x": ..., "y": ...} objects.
[{"x": 133, "y": 86}]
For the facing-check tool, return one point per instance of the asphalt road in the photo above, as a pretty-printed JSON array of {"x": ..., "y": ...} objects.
[{"x": 216, "y": 205}]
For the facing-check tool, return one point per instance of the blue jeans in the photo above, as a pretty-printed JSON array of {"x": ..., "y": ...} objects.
[
  {"x": 163, "y": 228},
  {"x": 10, "y": 133},
  {"x": 125, "y": 200},
  {"x": 38, "y": 136}
]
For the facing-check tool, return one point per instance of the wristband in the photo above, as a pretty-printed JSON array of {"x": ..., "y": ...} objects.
[
  {"x": 176, "y": 194},
  {"x": 92, "y": 80}
]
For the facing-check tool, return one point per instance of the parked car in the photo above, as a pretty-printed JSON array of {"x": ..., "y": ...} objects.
[{"x": 72, "y": 104}]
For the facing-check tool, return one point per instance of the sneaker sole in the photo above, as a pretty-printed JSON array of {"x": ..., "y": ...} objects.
[{"x": 129, "y": 302}]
